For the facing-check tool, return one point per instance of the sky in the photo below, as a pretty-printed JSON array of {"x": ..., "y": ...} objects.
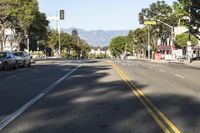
[{"x": 96, "y": 14}]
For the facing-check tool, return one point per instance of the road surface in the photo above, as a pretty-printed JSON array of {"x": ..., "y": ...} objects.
[{"x": 100, "y": 96}]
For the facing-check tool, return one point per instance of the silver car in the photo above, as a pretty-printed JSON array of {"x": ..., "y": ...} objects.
[
  {"x": 7, "y": 61},
  {"x": 23, "y": 58}
]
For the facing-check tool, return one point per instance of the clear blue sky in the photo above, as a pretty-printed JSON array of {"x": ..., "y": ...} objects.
[{"x": 97, "y": 14}]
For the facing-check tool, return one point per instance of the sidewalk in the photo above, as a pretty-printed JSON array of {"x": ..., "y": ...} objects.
[
  {"x": 182, "y": 62},
  {"x": 193, "y": 64},
  {"x": 185, "y": 62}
]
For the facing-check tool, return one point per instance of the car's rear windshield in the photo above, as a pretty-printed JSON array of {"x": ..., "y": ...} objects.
[
  {"x": 18, "y": 54},
  {"x": 2, "y": 55}
]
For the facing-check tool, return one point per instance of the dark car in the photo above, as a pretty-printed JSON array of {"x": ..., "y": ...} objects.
[
  {"x": 7, "y": 61},
  {"x": 23, "y": 58}
]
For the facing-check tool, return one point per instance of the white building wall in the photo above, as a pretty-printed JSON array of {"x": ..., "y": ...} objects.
[{"x": 9, "y": 44}]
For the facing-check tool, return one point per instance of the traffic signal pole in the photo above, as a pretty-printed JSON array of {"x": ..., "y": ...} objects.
[
  {"x": 59, "y": 45},
  {"x": 189, "y": 34},
  {"x": 149, "y": 43}
]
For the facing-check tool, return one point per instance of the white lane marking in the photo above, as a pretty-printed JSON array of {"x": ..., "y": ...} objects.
[
  {"x": 179, "y": 76},
  {"x": 11, "y": 77},
  {"x": 14, "y": 115},
  {"x": 162, "y": 70},
  {"x": 67, "y": 69}
]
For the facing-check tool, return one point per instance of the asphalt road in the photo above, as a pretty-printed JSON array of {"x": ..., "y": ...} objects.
[
  {"x": 100, "y": 97},
  {"x": 173, "y": 88}
]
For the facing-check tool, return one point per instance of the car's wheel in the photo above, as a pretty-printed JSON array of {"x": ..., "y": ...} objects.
[
  {"x": 16, "y": 65},
  {"x": 6, "y": 66},
  {"x": 29, "y": 64},
  {"x": 24, "y": 64}
]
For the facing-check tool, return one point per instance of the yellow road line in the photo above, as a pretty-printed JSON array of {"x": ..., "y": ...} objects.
[{"x": 146, "y": 101}]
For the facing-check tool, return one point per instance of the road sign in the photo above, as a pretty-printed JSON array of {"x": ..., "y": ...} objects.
[{"x": 150, "y": 22}]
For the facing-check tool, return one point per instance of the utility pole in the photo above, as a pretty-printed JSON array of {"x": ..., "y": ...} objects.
[{"x": 149, "y": 43}]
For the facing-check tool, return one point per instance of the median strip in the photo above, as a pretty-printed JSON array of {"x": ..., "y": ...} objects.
[{"x": 165, "y": 124}]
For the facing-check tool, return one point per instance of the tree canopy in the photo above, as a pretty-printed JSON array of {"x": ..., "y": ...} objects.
[
  {"x": 72, "y": 46},
  {"x": 182, "y": 8},
  {"x": 24, "y": 17},
  {"x": 182, "y": 39},
  {"x": 117, "y": 45}
]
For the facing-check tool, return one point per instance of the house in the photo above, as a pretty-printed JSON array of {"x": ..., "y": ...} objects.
[{"x": 166, "y": 50}]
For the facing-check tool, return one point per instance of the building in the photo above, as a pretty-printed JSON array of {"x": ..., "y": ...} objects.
[
  {"x": 99, "y": 52},
  {"x": 166, "y": 50}
]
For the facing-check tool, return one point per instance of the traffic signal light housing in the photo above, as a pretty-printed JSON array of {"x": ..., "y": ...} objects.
[
  {"x": 141, "y": 19},
  {"x": 62, "y": 14}
]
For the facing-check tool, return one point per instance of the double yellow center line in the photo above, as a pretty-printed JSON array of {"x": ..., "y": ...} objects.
[{"x": 165, "y": 124}]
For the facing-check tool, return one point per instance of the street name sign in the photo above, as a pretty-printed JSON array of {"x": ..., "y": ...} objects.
[{"x": 150, "y": 22}]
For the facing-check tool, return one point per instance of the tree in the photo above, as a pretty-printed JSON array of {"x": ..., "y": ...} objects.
[
  {"x": 130, "y": 41},
  {"x": 182, "y": 39},
  {"x": 117, "y": 45},
  {"x": 53, "y": 39},
  {"x": 138, "y": 39},
  {"x": 6, "y": 18},
  {"x": 24, "y": 18},
  {"x": 69, "y": 44},
  {"x": 76, "y": 42},
  {"x": 161, "y": 11},
  {"x": 85, "y": 48},
  {"x": 182, "y": 7}
]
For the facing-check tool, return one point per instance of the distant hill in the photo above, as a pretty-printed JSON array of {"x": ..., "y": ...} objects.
[{"x": 98, "y": 37}]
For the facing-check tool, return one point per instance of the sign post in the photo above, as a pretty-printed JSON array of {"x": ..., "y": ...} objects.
[{"x": 148, "y": 23}]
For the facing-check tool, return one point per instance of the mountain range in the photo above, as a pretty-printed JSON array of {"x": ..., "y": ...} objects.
[{"x": 97, "y": 37}]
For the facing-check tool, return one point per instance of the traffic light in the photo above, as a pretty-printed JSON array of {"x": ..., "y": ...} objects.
[
  {"x": 141, "y": 19},
  {"x": 62, "y": 14}
]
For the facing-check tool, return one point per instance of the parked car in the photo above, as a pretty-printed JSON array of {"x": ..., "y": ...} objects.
[
  {"x": 23, "y": 58},
  {"x": 7, "y": 61}
]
